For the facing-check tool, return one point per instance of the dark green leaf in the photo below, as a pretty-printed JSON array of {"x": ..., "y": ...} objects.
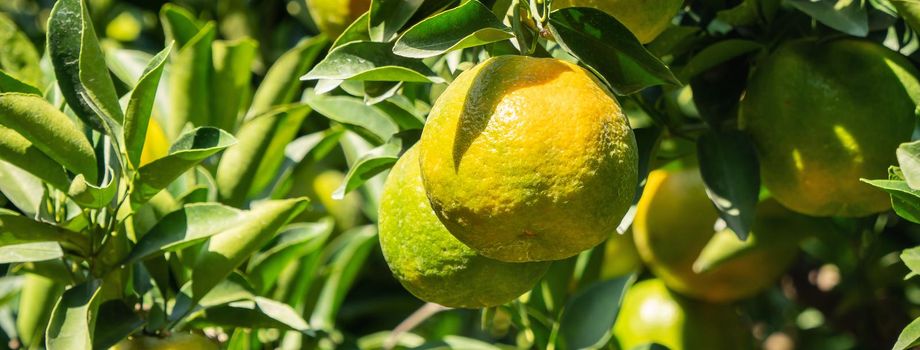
[
  {"x": 370, "y": 61},
  {"x": 910, "y": 10},
  {"x": 368, "y": 121},
  {"x": 716, "y": 54},
  {"x": 589, "y": 316},
  {"x": 80, "y": 66},
  {"x": 189, "y": 225},
  {"x": 116, "y": 321},
  {"x": 73, "y": 319},
  {"x": 904, "y": 200},
  {"x": 609, "y": 48},
  {"x": 231, "y": 80},
  {"x": 909, "y": 337},
  {"x": 49, "y": 130},
  {"x": 909, "y": 160},
  {"x": 647, "y": 140},
  {"x": 468, "y": 25},
  {"x": 369, "y": 165},
  {"x": 281, "y": 84},
  {"x": 851, "y": 19},
  {"x": 140, "y": 106},
  {"x": 9, "y": 83},
  {"x": 188, "y": 151},
  {"x": 729, "y": 167},
  {"x": 387, "y": 17},
  {"x": 718, "y": 90}
]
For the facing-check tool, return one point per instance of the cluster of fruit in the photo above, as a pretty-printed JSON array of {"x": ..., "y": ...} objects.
[{"x": 527, "y": 160}]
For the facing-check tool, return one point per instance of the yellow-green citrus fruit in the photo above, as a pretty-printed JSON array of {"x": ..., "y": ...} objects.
[
  {"x": 620, "y": 256},
  {"x": 432, "y": 264},
  {"x": 334, "y": 16},
  {"x": 644, "y": 18},
  {"x": 177, "y": 341},
  {"x": 651, "y": 313},
  {"x": 319, "y": 185},
  {"x": 675, "y": 220},
  {"x": 824, "y": 114},
  {"x": 528, "y": 159}
]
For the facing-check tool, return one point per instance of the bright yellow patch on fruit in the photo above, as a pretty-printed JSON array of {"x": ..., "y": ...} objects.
[
  {"x": 825, "y": 114},
  {"x": 644, "y": 18},
  {"x": 528, "y": 159}
]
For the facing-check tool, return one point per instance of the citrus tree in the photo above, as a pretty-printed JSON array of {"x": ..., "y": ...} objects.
[{"x": 478, "y": 174}]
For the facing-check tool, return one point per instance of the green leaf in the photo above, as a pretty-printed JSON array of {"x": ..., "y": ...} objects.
[
  {"x": 250, "y": 165},
  {"x": 909, "y": 160},
  {"x": 18, "y": 57},
  {"x": 190, "y": 82},
  {"x": 73, "y": 319},
  {"x": 849, "y": 17},
  {"x": 909, "y": 337},
  {"x": 50, "y": 131},
  {"x": 179, "y": 24},
  {"x": 184, "y": 227},
  {"x": 716, "y": 54},
  {"x": 609, "y": 48},
  {"x": 387, "y": 17},
  {"x": 257, "y": 313},
  {"x": 369, "y": 165},
  {"x": 367, "y": 121},
  {"x": 227, "y": 250},
  {"x": 9, "y": 83},
  {"x": 356, "y": 31},
  {"x": 17, "y": 229},
  {"x": 353, "y": 248},
  {"x": 23, "y": 189},
  {"x": 80, "y": 66},
  {"x": 911, "y": 258},
  {"x": 189, "y": 150},
  {"x": 36, "y": 301},
  {"x": 116, "y": 321},
  {"x": 231, "y": 80},
  {"x": 904, "y": 200},
  {"x": 468, "y": 25},
  {"x": 370, "y": 61},
  {"x": 293, "y": 243},
  {"x": 140, "y": 106},
  {"x": 21, "y": 153},
  {"x": 910, "y": 10},
  {"x": 731, "y": 172},
  {"x": 26, "y": 252},
  {"x": 89, "y": 196},
  {"x": 282, "y": 84},
  {"x": 647, "y": 141},
  {"x": 589, "y": 315}
]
